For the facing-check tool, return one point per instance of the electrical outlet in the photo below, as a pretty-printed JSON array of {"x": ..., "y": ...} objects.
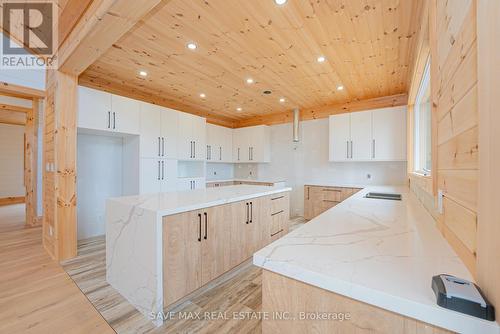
[
  {"x": 440, "y": 201},
  {"x": 368, "y": 176}
]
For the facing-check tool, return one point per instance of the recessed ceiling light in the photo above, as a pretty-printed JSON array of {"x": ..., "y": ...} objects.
[
  {"x": 239, "y": 109},
  {"x": 202, "y": 95},
  {"x": 321, "y": 59},
  {"x": 282, "y": 100},
  {"x": 249, "y": 81},
  {"x": 280, "y": 2},
  {"x": 340, "y": 87},
  {"x": 143, "y": 73},
  {"x": 191, "y": 46}
]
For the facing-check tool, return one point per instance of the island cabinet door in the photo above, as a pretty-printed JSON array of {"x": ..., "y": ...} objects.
[
  {"x": 261, "y": 221},
  {"x": 216, "y": 226},
  {"x": 241, "y": 233},
  {"x": 182, "y": 255}
]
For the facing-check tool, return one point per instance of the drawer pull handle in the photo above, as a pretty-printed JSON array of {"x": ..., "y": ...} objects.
[
  {"x": 273, "y": 234},
  {"x": 335, "y": 190},
  {"x": 272, "y": 199},
  {"x": 277, "y": 213},
  {"x": 329, "y": 201}
]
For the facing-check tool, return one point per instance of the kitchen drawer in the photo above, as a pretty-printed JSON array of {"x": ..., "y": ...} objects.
[
  {"x": 279, "y": 202},
  {"x": 332, "y": 194},
  {"x": 279, "y": 224}
]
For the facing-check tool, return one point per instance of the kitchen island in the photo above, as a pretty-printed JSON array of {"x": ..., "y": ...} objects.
[
  {"x": 370, "y": 258},
  {"x": 162, "y": 247}
]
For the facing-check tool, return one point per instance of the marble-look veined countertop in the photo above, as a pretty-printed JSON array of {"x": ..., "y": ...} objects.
[
  {"x": 278, "y": 180},
  {"x": 170, "y": 203},
  {"x": 380, "y": 252}
]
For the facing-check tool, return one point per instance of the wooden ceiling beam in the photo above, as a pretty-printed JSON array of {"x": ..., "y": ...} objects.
[
  {"x": 102, "y": 24},
  {"x": 10, "y": 107},
  {"x": 20, "y": 91},
  {"x": 323, "y": 112}
]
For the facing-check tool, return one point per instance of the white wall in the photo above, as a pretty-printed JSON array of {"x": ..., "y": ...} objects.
[
  {"x": 99, "y": 168},
  {"x": 11, "y": 160},
  {"x": 307, "y": 161},
  {"x": 218, "y": 171}
]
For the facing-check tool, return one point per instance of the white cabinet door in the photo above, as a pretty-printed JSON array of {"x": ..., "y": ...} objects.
[
  {"x": 125, "y": 114},
  {"x": 150, "y": 175},
  {"x": 184, "y": 138},
  {"x": 340, "y": 137},
  {"x": 169, "y": 128},
  {"x": 150, "y": 131},
  {"x": 389, "y": 134},
  {"x": 213, "y": 134},
  {"x": 94, "y": 109},
  {"x": 199, "y": 135},
  {"x": 259, "y": 141},
  {"x": 241, "y": 147},
  {"x": 200, "y": 183},
  {"x": 168, "y": 175},
  {"x": 361, "y": 136},
  {"x": 227, "y": 146}
]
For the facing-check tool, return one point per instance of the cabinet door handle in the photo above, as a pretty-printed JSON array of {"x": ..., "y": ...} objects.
[
  {"x": 347, "y": 150},
  {"x": 308, "y": 193},
  {"x": 199, "y": 227},
  {"x": 238, "y": 154},
  {"x": 249, "y": 153},
  {"x": 373, "y": 149},
  {"x": 114, "y": 120},
  {"x": 206, "y": 226},
  {"x": 163, "y": 170},
  {"x": 248, "y": 215},
  {"x": 159, "y": 146},
  {"x": 162, "y": 146},
  {"x": 158, "y": 170},
  {"x": 351, "y": 150},
  {"x": 109, "y": 119},
  {"x": 251, "y": 212},
  {"x": 194, "y": 149},
  {"x": 220, "y": 153}
]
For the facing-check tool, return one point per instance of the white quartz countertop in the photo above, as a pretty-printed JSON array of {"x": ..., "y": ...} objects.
[
  {"x": 380, "y": 252},
  {"x": 170, "y": 203},
  {"x": 248, "y": 180}
]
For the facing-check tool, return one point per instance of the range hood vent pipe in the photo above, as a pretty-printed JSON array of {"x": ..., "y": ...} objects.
[{"x": 296, "y": 115}]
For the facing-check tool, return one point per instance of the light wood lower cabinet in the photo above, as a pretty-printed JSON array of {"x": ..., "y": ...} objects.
[
  {"x": 201, "y": 245},
  {"x": 318, "y": 199}
]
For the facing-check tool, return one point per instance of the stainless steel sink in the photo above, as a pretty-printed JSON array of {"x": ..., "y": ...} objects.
[{"x": 388, "y": 196}]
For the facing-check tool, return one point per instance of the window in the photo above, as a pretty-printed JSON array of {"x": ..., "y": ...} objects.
[{"x": 422, "y": 132}]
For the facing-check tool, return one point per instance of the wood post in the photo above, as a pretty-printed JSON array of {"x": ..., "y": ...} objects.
[
  {"x": 30, "y": 162},
  {"x": 59, "y": 176}
]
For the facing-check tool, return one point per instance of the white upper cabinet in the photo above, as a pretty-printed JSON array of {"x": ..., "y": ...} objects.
[
  {"x": 340, "y": 137},
  {"x": 219, "y": 144},
  {"x": 376, "y": 135},
  {"x": 361, "y": 136},
  {"x": 191, "y": 139},
  {"x": 125, "y": 114},
  {"x": 158, "y": 130},
  {"x": 94, "y": 109},
  {"x": 389, "y": 134},
  {"x": 98, "y": 110},
  {"x": 252, "y": 144}
]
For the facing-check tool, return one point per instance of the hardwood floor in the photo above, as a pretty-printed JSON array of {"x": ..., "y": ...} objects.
[
  {"x": 241, "y": 293},
  {"x": 36, "y": 295}
]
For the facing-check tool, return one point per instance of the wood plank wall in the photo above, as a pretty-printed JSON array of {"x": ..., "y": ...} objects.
[
  {"x": 455, "y": 148},
  {"x": 454, "y": 53}
]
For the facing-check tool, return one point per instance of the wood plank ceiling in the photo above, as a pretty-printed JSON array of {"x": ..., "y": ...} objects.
[{"x": 367, "y": 45}]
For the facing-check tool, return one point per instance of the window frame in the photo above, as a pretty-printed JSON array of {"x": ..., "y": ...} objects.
[{"x": 418, "y": 165}]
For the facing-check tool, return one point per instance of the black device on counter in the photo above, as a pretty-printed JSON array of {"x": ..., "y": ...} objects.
[{"x": 462, "y": 296}]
